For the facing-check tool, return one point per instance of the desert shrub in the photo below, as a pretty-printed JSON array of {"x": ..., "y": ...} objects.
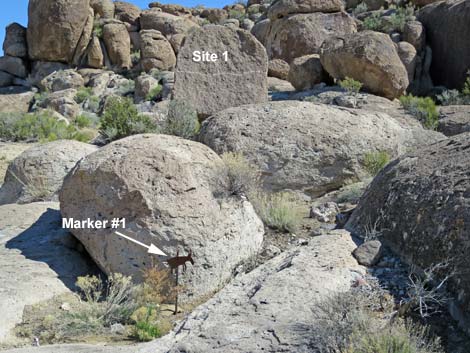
[
  {"x": 278, "y": 211},
  {"x": 98, "y": 29},
  {"x": 145, "y": 328},
  {"x": 352, "y": 322},
  {"x": 154, "y": 93},
  {"x": 236, "y": 14},
  {"x": 399, "y": 18},
  {"x": 374, "y": 162},
  {"x": 352, "y": 193},
  {"x": 83, "y": 94},
  {"x": 351, "y": 85},
  {"x": 157, "y": 288},
  {"x": 242, "y": 175},
  {"x": 373, "y": 22},
  {"x": 181, "y": 120},
  {"x": 126, "y": 88},
  {"x": 424, "y": 109},
  {"x": 42, "y": 127},
  {"x": 466, "y": 88},
  {"x": 361, "y": 8},
  {"x": 40, "y": 98},
  {"x": 83, "y": 121},
  {"x": 122, "y": 119},
  {"x": 451, "y": 97},
  {"x": 396, "y": 338}
]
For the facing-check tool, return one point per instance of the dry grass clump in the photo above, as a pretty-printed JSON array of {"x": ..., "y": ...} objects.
[
  {"x": 353, "y": 322},
  {"x": 278, "y": 211},
  {"x": 112, "y": 309}
]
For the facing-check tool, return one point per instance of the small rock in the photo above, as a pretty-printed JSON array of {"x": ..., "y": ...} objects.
[
  {"x": 65, "y": 307},
  {"x": 369, "y": 253},
  {"x": 118, "y": 328},
  {"x": 325, "y": 212},
  {"x": 302, "y": 242}
]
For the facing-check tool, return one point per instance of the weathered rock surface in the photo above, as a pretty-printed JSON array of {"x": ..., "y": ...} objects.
[
  {"x": 15, "y": 41},
  {"x": 37, "y": 173},
  {"x": 214, "y": 15},
  {"x": 454, "y": 119},
  {"x": 103, "y": 8},
  {"x": 174, "y": 28},
  {"x": 6, "y": 79},
  {"x": 55, "y": 28},
  {"x": 306, "y": 71},
  {"x": 408, "y": 56},
  {"x": 32, "y": 271},
  {"x": 41, "y": 69},
  {"x": 278, "y": 68},
  {"x": 156, "y": 51},
  {"x": 369, "y": 57},
  {"x": 14, "y": 66},
  {"x": 254, "y": 312},
  {"x": 420, "y": 203},
  {"x": 143, "y": 86},
  {"x": 368, "y": 253},
  {"x": 415, "y": 34},
  {"x": 282, "y": 8},
  {"x": 61, "y": 80},
  {"x": 8, "y": 152},
  {"x": 127, "y": 12},
  {"x": 303, "y": 34},
  {"x": 213, "y": 86},
  {"x": 15, "y": 100},
  {"x": 164, "y": 187},
  {"x": 63, "y": 102},
  {"x": 118, "y": 45},
  {"x": 450, "y": 58},
  {"x": 310, "y": 147},
  {"x": 95, "y": 57}
]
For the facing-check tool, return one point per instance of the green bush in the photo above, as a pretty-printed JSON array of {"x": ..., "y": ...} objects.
[
  {"x": 374, "y": 162},
  {"x": 121, "y": 119},
  {"x": 98, "y": 29},
  {"x": 83, "y": 121},
  {"x": 243, "y": 176},
  {"x": 181, "y": 121},
  {"x": 154, "y": 93},
  {"x": 41, "y": 127},
  {"x": 145, "y": 330},
  {"x": 278, "y": 211},
  {"x": 83, "y": 94},
  {"x": 399, "y": 19},
  {"x": 466, "y": 88},
  {"x": 361, "y": 8},
  {"x": 373, "y": 22},
  {"x": 350, "y": 85},
  {"x": 424, "y": 109}
]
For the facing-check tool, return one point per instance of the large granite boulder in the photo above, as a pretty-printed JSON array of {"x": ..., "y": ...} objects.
[
  {"x": 448, "y": 34},
  {"x": 310, "y": 147},
  {"x": 55, "y": 28},
  {"x": 282, "y": 8},
  {"x": 174, "y": 28},
  {"x": 420, "y": 204},
  {"x": 118, "y": 45},
  {"x": 156, "y": 51},
  {"x": 302, "y": 34},
  {"x": 237, "y": 79},
  {"x": 62, "y": 80},
  {"x": 14, "y": 66},
  {"x": 37, "y": 173},
  {"x": 15, "y": 41},
  {"x": 369, "y": 57},
  {"x": 171, "y": 192},
  {"x": 103, "y": 8},
  {"x": 127, "y": 12},
  {"x": 306, "y": 71}
]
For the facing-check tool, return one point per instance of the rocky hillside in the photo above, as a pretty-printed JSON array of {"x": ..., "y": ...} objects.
[{"x": 276, "y": 176}]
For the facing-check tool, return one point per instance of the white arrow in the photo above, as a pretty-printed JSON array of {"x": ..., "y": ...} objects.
[{"x": 152, "y": 249}]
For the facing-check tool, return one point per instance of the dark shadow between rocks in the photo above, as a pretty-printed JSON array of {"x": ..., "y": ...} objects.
[{"x": 46, "y": 241}]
